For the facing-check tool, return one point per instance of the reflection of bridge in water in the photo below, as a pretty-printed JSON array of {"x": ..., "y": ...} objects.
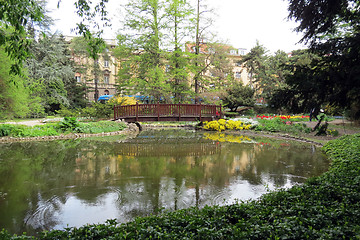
[
  {"x": 146, "y": 150},
  {"x": 167, "y": 112}
]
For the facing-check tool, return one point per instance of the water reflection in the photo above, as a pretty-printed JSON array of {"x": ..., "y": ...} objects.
[{"x": 47, "y": 185}]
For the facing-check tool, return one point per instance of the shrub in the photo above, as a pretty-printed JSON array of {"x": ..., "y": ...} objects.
[
  {"x": 5, "y": 129},
  {"x": 118, "y": 100},
  {"x": 281, "y": 125},
  {"x": 68, "y": 124},
  {"x": 66, "y": 112},
  {"x": 223, "y": 124}
]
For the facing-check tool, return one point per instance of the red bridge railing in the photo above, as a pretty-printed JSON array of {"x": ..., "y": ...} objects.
[{"x": 167, "y": 112}]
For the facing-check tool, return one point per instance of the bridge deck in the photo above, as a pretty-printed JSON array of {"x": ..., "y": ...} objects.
[{"x": 167, "y": 112}]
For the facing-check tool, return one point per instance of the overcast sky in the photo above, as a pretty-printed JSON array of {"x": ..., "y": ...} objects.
[{"x": 239, "y": 22}]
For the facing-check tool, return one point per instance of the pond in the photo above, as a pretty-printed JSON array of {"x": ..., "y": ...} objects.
[{"x": 58, "y": 184}]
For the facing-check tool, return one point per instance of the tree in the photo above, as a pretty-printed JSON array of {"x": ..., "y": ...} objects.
[
  {"x": 201, "y": 24},
  {"x": 178, "y": 13},
  {"x": 50, "y": 71},
  {"x": 254, "y": 62},
  {"x": 296, "y": 93},
  {"x": 16, "y": 14},
  {"x": 238, "y": 95},
  {"x": 332, "y": 30},
  {"x": 15, "y": 100},
  {"x": 220, "y": 66},
  {"x": 139, "y": 50}
]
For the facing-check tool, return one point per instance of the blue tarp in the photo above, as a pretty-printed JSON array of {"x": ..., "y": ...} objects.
[{"x": 105, "y": 97}]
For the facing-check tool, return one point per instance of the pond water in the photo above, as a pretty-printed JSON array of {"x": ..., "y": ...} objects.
[{"x": 58, "y": 184}]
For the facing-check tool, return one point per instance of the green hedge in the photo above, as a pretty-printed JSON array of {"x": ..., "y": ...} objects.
[
  {"x": 325, "y": 207},
  {"x": 67, "y": 125}
]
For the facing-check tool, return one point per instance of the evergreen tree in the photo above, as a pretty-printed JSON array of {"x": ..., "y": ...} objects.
[
  {"x": 50, "y": 71},
  {"x": 332, "y": 28},
  {"x": 238, "y": 95},
  {"x": 254, "y": 62}
]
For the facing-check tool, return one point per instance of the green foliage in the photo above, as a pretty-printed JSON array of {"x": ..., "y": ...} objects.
[
  {"x": 98, "y": 110},
  {"x": 254, "y": 61},
  {"x": 295, "y": 93},
  {"x": 69, "y": 112},
  {"x": 332, "y": 28},
  {"x": 280, "y": 125},
  {"x": 69, "y": 124},
  {"x": 15, "y": 99},
  {"x": 50, "y": 72},
  {"x": 14, "y": 17},
  {"x": 5, "y": 129},
  {"x": 238, "y": 95},
  {"x": 95, "y": 110},
  {"x": 26, "y": 131}
]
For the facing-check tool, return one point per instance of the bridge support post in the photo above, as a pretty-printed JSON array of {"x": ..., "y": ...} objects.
[
  {"x": 114, "y": 113},
  {"x": 158, "y": 111},
  {"x": 137, "y": 112},
  {"x": 200, "y": 112}
]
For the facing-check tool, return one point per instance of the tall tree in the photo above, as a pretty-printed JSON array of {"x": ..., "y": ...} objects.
[
  {"x": 254, "y": 62},
  {"x": 332, "y": 28},
  {"x": 16, "y": 14},
  {"x": 15, "y": 100},
  {"x": 296, "y": 93},
  {"x": 272, "y": 75},
  {"x": 202, "y": 22},
  {"x": 145, "y": 25},
  {"x": 221, "y": 68},
  {"x": 178, "y": 12},
  {"x": 51, "y": 70}
]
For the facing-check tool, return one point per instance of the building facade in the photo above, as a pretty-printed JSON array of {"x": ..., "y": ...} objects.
[{"x": 99, "y": 76}]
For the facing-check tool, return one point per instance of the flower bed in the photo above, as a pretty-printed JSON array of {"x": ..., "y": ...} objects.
[
  {"x": 285, "y": 117},
  {"x": 223, "y": 124}
]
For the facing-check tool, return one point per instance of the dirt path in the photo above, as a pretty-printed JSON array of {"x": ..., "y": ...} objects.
[{"x": 28, "y": 122}]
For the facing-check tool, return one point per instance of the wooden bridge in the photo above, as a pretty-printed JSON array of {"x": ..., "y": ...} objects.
[{"x": 167, "y": 112}]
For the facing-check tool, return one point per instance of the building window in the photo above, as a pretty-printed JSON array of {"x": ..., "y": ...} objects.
[
  {"x": 78, "y": 78},
  {"x": 106, "y": 63},
  {"x": 242, "y": 51},
  {"x": 233, "y": 52},
  {"x": 238, "y": 75},
  {"x": 106, "y": 79}
]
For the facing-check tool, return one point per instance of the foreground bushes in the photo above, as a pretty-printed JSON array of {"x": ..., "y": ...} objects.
[{"x": 325, "y": 207}]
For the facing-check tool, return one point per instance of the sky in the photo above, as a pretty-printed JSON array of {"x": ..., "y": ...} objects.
[{"x": 239, "y": 23}]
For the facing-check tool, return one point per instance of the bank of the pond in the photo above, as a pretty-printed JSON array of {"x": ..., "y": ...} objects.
[
  {"x": 325, "y": 207},
  {"x": 20, "y": 133}
]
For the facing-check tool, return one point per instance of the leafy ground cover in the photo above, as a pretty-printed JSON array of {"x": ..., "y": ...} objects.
[
  {"x": 67, "y": 125},
  {"x": 325, "y": 207}
]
